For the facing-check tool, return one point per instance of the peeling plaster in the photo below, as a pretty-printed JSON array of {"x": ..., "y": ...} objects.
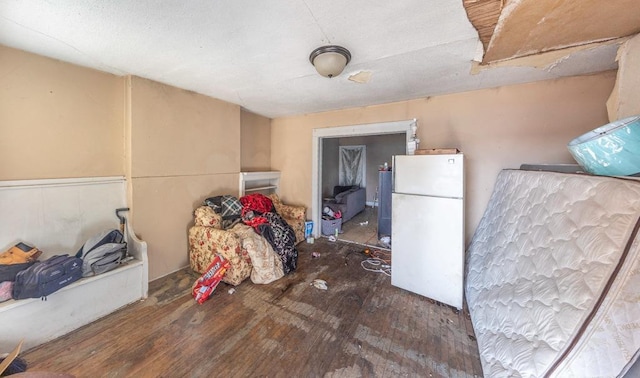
[
  {"x": 545, "y": 60},
  {"x": 624, "y": 100},
  {"x": 527, "y": 27},
  {"x": 361, "y": 77}
]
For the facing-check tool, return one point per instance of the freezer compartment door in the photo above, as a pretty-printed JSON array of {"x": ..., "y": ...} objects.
[
  {"x": 427, "y": 247},
  {"x": 431, "y": 175}
]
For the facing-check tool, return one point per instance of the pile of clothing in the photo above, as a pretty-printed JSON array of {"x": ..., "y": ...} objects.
[
  {"x": 257, "y": 210},
  {"x": 329, "y": 214}
]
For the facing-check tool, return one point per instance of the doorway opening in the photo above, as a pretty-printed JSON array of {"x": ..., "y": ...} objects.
[{"x": 322, "y": 135}]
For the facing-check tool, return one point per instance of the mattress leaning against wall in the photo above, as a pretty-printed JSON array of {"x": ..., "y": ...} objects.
[{"x": 553, "y": 275}]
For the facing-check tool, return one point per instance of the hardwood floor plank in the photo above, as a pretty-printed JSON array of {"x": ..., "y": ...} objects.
[{"x": 360, "y": 326}]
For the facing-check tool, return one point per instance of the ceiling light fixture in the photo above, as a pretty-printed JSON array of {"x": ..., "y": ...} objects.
[{"x": 330, "y": 60}]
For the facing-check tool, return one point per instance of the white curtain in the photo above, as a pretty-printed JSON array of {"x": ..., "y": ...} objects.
[{"x": 352, "y": 165}]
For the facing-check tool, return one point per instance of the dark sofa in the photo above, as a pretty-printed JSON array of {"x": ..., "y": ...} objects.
[{"x": 349, "y": 200}]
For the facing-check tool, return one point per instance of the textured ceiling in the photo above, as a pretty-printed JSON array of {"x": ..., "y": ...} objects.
[{"x": 255, "y": 53}]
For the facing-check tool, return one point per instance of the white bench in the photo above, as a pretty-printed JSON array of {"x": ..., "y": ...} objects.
[{"x": 57, "y": 216}]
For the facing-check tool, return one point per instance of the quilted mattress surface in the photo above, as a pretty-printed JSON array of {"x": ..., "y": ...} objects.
[{"x": 553, "y": 282}]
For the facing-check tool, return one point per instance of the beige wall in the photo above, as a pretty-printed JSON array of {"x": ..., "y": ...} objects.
[
  {"x": 495, "y": 128},
  {"x": 184, "y": 148},
  {"x": 625, "y": 98},
  {"x": 255, "y": 139},
  {"x": 177, "y": 148},
  {"x": 58, "y": 120}
]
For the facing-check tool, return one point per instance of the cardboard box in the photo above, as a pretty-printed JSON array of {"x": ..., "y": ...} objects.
[
  {"x": 10, "y": 357},
  {"x": 438, "y": 151}
]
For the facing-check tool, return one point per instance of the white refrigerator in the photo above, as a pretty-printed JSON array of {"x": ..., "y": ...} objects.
[{"x": 427, "y": 233}]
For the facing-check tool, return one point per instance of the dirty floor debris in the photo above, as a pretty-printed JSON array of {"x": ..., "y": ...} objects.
[{"x": 361, "y": 327}]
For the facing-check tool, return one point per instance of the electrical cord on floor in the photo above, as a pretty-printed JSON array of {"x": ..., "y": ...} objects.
[
  {"x": 376, "y": 266},
  {"x": 378, "y": 262}
]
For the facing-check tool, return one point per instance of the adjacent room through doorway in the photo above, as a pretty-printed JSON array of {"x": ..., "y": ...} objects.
[{"x": 354, "y": 192}]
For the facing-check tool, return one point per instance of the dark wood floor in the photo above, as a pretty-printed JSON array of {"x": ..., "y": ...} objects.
[{"x": 360, "y": 327}]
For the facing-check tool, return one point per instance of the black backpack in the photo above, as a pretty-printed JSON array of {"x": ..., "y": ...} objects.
[
  {"x": 9, "y": 272},
  {"x": 46, "y": 277}
]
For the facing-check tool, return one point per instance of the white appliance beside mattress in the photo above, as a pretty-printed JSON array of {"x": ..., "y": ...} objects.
[{"x": 427, "y": 236}]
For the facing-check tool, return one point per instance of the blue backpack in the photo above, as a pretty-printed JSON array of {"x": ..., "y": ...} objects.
[{"x": 46, "y": 277}]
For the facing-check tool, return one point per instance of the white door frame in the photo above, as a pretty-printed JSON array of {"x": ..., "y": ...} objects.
[{"x": 338, "y": 132}]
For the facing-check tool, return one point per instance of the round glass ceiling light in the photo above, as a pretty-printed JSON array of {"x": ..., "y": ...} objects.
[{"x": 330, "y": 60}]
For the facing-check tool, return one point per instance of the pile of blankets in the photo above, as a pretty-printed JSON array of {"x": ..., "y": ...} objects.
[{"x": 257, "y": 210}]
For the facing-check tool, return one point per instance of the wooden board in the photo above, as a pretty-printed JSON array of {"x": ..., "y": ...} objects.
[
  {"x": 528, "y": 27},
  {"x": 9, "y": 358},
  {"x": 484, "y": 15},
  {"x": 438, "y": 151}
]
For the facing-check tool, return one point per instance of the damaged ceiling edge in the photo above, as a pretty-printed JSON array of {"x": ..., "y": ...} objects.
[
  {"x": 483, "y": 15},
  {"x": 545, "y": 59},
  {"x": 490, "y": 17},
  {"x": 561, "y": 50},
  {"x": 627, "y": 82},
  {"x": 527, "y": 27}
]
